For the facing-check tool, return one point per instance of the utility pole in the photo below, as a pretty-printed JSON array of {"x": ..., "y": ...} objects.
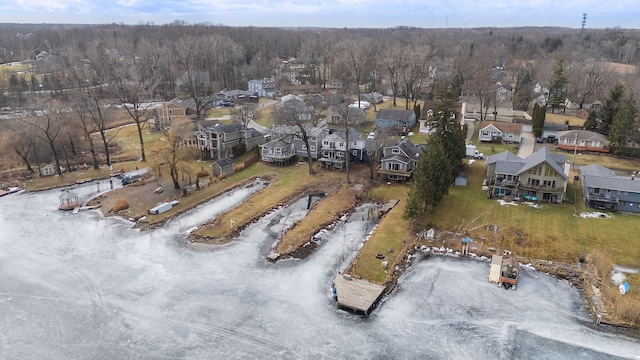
[{"x": 584, "y": 22}]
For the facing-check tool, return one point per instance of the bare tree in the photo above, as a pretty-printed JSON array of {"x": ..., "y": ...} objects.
[
  {"x": 134, "y": 81},
  {"x": 244, "y": 111},
  {"x": 394, "y": 60},
  {"x": 175, "y": 151},
  {"x": 292, "y": 114},
  {"x": 590, "y": 77},
  {"x": 48, "y": 128},
  {"x": 23, "y": 145}
]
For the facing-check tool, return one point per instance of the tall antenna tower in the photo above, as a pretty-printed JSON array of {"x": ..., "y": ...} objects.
[{"x": 584, "y": 22}]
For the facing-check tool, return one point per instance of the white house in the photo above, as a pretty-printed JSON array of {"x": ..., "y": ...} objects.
[{"x": 495, "y": 131}]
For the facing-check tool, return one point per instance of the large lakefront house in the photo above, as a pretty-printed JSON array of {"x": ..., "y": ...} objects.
[{"x": 542, "y": 176}]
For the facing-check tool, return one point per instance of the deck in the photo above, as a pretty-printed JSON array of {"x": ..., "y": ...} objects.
[{"x": 356, "y": 294}]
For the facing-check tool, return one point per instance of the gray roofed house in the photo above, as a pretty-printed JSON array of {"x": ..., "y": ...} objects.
[
  {"x": 586, "y": 141},
  {"x": 542, "y": 176},
  {"x": 293, "y": 134},
  {"x": 278, "y": 151},
  {"x": 399, "y": 160},
  {"x": 603, "y": 189},
  {"x": 335, "y": 148},
  {"x": 216, "y": 140},
  {"x": 335, "y": 116},
  {"x": 396, "y": 119}
]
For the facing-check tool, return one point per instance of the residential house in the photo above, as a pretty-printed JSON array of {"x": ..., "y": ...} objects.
[
  {"x": 399, "y": 120},
  {"x": 542, "y": 176},
  {"x": 278, "y": 151},
  {"x": 496, "y": 131},
  {"x": 542, "y": 94},
  {"x": 287, "y": 73},
  {"x": 503, "y": 93},
  {"x": 335, "y": 149},
  {"x": 398, "y": 161},
  {"x": 170, "y": 110},
  {"x": 293, "y": 103},
  {"x": 218, "y": 140},
  {"x": 602, "y": 189},
  {"x": 582, "y": 140},
  {"x": 47, "y": 169},
  {"x": 225, "y": 98},
  {"x": 553, "y": 130},
  {"x": 197, "y": 78},
  {"x": 292, "y": 134},
  {"x": 373, "y": 97},
  {"x": 222, "y": 166},
  {"x": 334, "y": 85},
  {"x": 301, "y": 89},
  {"x": 335, "y": 116},
  {"x": 263, "y": 87}
]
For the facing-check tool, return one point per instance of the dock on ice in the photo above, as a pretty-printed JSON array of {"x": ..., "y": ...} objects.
[{"x": 356, "y": 294}]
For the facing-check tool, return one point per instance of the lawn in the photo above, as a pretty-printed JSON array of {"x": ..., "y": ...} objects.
[
  {"x": 551, "y": 232},
  {"x": 390, "y": 238},
  {"x": 563, "y": 119}
]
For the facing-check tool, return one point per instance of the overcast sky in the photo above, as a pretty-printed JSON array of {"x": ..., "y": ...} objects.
[{"x": 323, "y": 13}]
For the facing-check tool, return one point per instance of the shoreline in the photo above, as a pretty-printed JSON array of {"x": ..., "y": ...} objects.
[{"x": 582, "y": 279}]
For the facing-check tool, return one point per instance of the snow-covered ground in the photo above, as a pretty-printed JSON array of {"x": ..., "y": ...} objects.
[{"x": 84, "y": 287}]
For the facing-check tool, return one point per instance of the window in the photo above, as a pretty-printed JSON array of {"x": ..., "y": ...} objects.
[
  {"x": 355, "y": 152},
  {"x": 596, "y": 191},
  {"x": 396, "y": 151},
  {"x": 621, "y": 203},
  {"x": 622, "y": 192},
  {"x": 313, "y": 148}
]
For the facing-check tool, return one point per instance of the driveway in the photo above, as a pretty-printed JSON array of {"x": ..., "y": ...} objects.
[{"x": 527, "y": 144}]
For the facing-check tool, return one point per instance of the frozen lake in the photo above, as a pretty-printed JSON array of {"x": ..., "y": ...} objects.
[{"x": 84, "y": 287}]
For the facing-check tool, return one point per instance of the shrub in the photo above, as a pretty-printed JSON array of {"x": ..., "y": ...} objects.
[
  {"x": 202, "y": 172},
  {"x": 121, "y": 204}
]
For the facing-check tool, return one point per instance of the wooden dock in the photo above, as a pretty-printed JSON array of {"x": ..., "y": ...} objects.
[{"x": 356, "y": 294}]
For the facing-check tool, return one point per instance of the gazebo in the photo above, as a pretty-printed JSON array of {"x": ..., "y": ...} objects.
[{"x": 68, "y": 201}]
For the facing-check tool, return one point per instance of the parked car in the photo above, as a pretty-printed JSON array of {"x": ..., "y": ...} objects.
[
  {"x": 551, "y": 139},
  {"x": 540, "y": 140}
]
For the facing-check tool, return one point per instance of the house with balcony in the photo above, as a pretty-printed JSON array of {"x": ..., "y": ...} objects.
[
  {"x": 542, "y": 176},
  {"x": 603, "y": 189},
  {"x": 278, "y": 152},
  {"x": 398, "y": 160},
  {"x": 582, "y": 140},
  {"x": 216, "y": 140},
  {"x": 293, "y": 135},
  {"x": 336, "y": 148}
]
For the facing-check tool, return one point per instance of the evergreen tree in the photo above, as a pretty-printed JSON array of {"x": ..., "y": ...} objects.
[
  {"x": 625, "y": 127},
  {"x": 451, "y": 135},
  {"x": 535, "y": 127},
  {"x": 431, "y": 181},
  {"x": 592, "y": 122},
  {"x": 523, "y": 93},
  {"x": 558, "y": 87},
  {"x": 610, "y": 107}
]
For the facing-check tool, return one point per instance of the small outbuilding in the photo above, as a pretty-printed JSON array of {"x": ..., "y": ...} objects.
[{"x": 222, "y": 166}]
